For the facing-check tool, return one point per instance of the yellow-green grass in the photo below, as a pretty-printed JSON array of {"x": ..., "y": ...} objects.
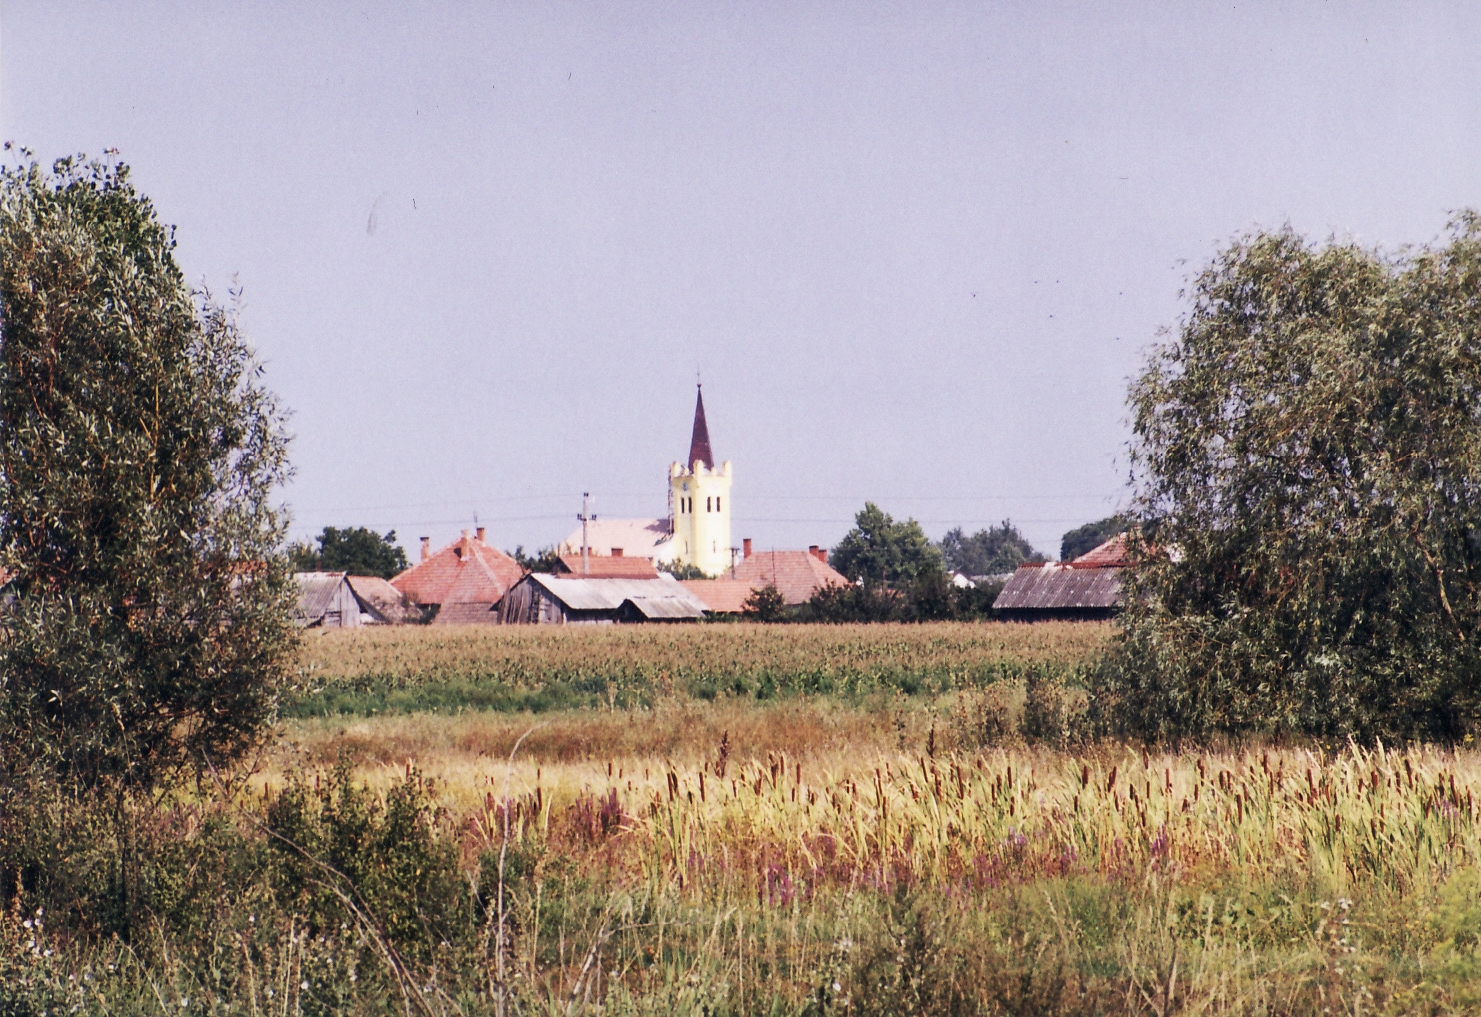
[
  {"x": 762, "y": 839},
  {"x": 897, "y": 788}
]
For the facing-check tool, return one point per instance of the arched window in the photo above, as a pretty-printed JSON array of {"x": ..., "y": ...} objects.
[{"x": 707, "y": 505}]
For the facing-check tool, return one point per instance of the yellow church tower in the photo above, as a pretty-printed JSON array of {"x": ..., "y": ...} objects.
[{"x": 701, "y": 502}]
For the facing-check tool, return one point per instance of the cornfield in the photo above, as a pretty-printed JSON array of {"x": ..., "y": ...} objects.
[{"x": 519, "y": 667}]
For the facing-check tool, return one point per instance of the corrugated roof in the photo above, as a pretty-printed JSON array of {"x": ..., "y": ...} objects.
[
  {"x": 465, "y": 571},
  {"x": 1111, "y": 554},
  {"x": 644, "y": 538},
  {"x": 316, "y": 593},
  {"x": 608, "y": 567},
  {"x": 722, "y": 596},
  {"x": 797, "y": 574},
  {"x": 589, "y": 594},
  {"x": 665, "y": 608},
  {"x": 1056, "y": 586}
]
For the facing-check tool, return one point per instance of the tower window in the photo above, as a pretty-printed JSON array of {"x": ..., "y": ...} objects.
[
  {"x": 717, "y": 504},
  {"x": 707, "y": 504}
]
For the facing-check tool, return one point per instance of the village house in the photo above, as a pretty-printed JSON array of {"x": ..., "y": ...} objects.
[
  {"x": 460, "y": 583},
  {"x": 797, "y": 575}
]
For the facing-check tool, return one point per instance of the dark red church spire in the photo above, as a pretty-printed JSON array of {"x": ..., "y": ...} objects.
[{"x": 699, "y": 443}]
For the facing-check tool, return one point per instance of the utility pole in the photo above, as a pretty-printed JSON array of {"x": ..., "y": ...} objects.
[{"x": 585, "y": 517}]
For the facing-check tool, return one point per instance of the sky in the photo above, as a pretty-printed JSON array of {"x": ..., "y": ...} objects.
[{"x": 915, "y": 251}]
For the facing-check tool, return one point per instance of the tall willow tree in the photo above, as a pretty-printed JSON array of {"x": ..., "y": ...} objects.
[
  {"x": 146, "y": 626},
  {"x": 1307, "y": 454}
]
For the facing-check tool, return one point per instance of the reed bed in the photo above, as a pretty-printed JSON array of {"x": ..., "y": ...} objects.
[{"x": 1291, "y": 880}]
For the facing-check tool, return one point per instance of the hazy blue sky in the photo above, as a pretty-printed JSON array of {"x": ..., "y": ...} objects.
[{"x": 915, "y": 249}]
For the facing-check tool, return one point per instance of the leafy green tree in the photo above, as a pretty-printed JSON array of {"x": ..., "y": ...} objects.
[
  {"x": 880, "y": 550},
  {"x": 149, "y": 621},
  {"x": 999, "y": 548},
  {"x": 765, "y": 603},
  {"x": 547, "y": 559},
  {"x": 1092, "y": 535},
  {"x": 1307, "y": 457},
  {"x": 357, "y": 550},
  {"x": 681, "y": 570},
  {"x": 870, "y": 602}
]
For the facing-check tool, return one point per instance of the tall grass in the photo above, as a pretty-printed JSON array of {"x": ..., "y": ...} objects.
[{"x": 867, "y": 881}]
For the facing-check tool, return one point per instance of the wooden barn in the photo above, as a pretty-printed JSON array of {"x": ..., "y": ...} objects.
[
  {"x": 383, "y": 604},
  {"x": 325, "y": 600},
  {"x": 1085, "y": 589},
  {"x": 546, "y": 599}
]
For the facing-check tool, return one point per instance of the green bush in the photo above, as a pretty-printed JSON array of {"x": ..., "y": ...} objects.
[{"x": 341, "y": 857}]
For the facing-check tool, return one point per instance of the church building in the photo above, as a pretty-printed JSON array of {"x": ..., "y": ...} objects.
[
  {"x": 697, "y": 531},
  {"x": 699, "y": 499}
]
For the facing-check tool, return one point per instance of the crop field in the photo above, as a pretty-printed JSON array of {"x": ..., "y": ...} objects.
[
  {"x": 534, "y": 668},
  {"x": 893, "y": 837}
]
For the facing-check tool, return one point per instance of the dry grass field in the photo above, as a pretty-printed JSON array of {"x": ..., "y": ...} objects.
[{"x": 681, "y": 835}]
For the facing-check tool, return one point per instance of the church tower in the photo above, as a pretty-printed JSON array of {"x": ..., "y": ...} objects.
[{"x": 701, "y": 502}]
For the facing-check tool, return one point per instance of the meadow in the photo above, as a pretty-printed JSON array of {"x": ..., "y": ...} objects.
[{"x": 911, "y": 841}]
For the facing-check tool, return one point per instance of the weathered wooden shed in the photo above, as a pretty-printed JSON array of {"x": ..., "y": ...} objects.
[
  {"x": 325, "y": 600},
  {"x": 545, "y": 599},
  {"x": 1085, "y": 589},
  {"x": 383, "y": 604}
]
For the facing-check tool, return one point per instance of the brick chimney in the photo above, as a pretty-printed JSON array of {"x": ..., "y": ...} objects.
[
  {"x": 478, "y": 534},
  {"x": 746, "y": 548},
  {"x": 820, "y": 553},
  {"x": 426, "y": 548},
  {"x": 616, "y": 552}
]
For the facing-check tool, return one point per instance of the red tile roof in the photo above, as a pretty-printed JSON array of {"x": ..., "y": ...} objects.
[
  {"x": 605, "y": 566},
  {"x": 797, "y": 574},
  {"x": 467, "y": 571},
  {"x": 1111, "y": 554},
  {"x": 722, "y": 596}
]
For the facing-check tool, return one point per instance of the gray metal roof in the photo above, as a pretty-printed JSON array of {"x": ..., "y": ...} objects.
[
  {"x": 1052, "y": 586},
  {"x": 664, "y": 608},
  {"x": 316, "y": 593},
  {"x": 586, "y": 594}
]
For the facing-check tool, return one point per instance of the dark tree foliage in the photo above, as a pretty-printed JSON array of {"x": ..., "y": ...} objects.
[
  {"x": 681, "y": 570},
  {"x": 544, "y": 560},
  {"x": 880, "y": 550},
  {"x": 765, "y": 603},
  {"x": 149, "y": 623},
  {"x": 1092, "y": 535},
  {"x": 1308, "y": 460},
  {"x": 929, "y": 597},
  {"x": 999, "y": 548},
  {"x": 357, "y": 550}
]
